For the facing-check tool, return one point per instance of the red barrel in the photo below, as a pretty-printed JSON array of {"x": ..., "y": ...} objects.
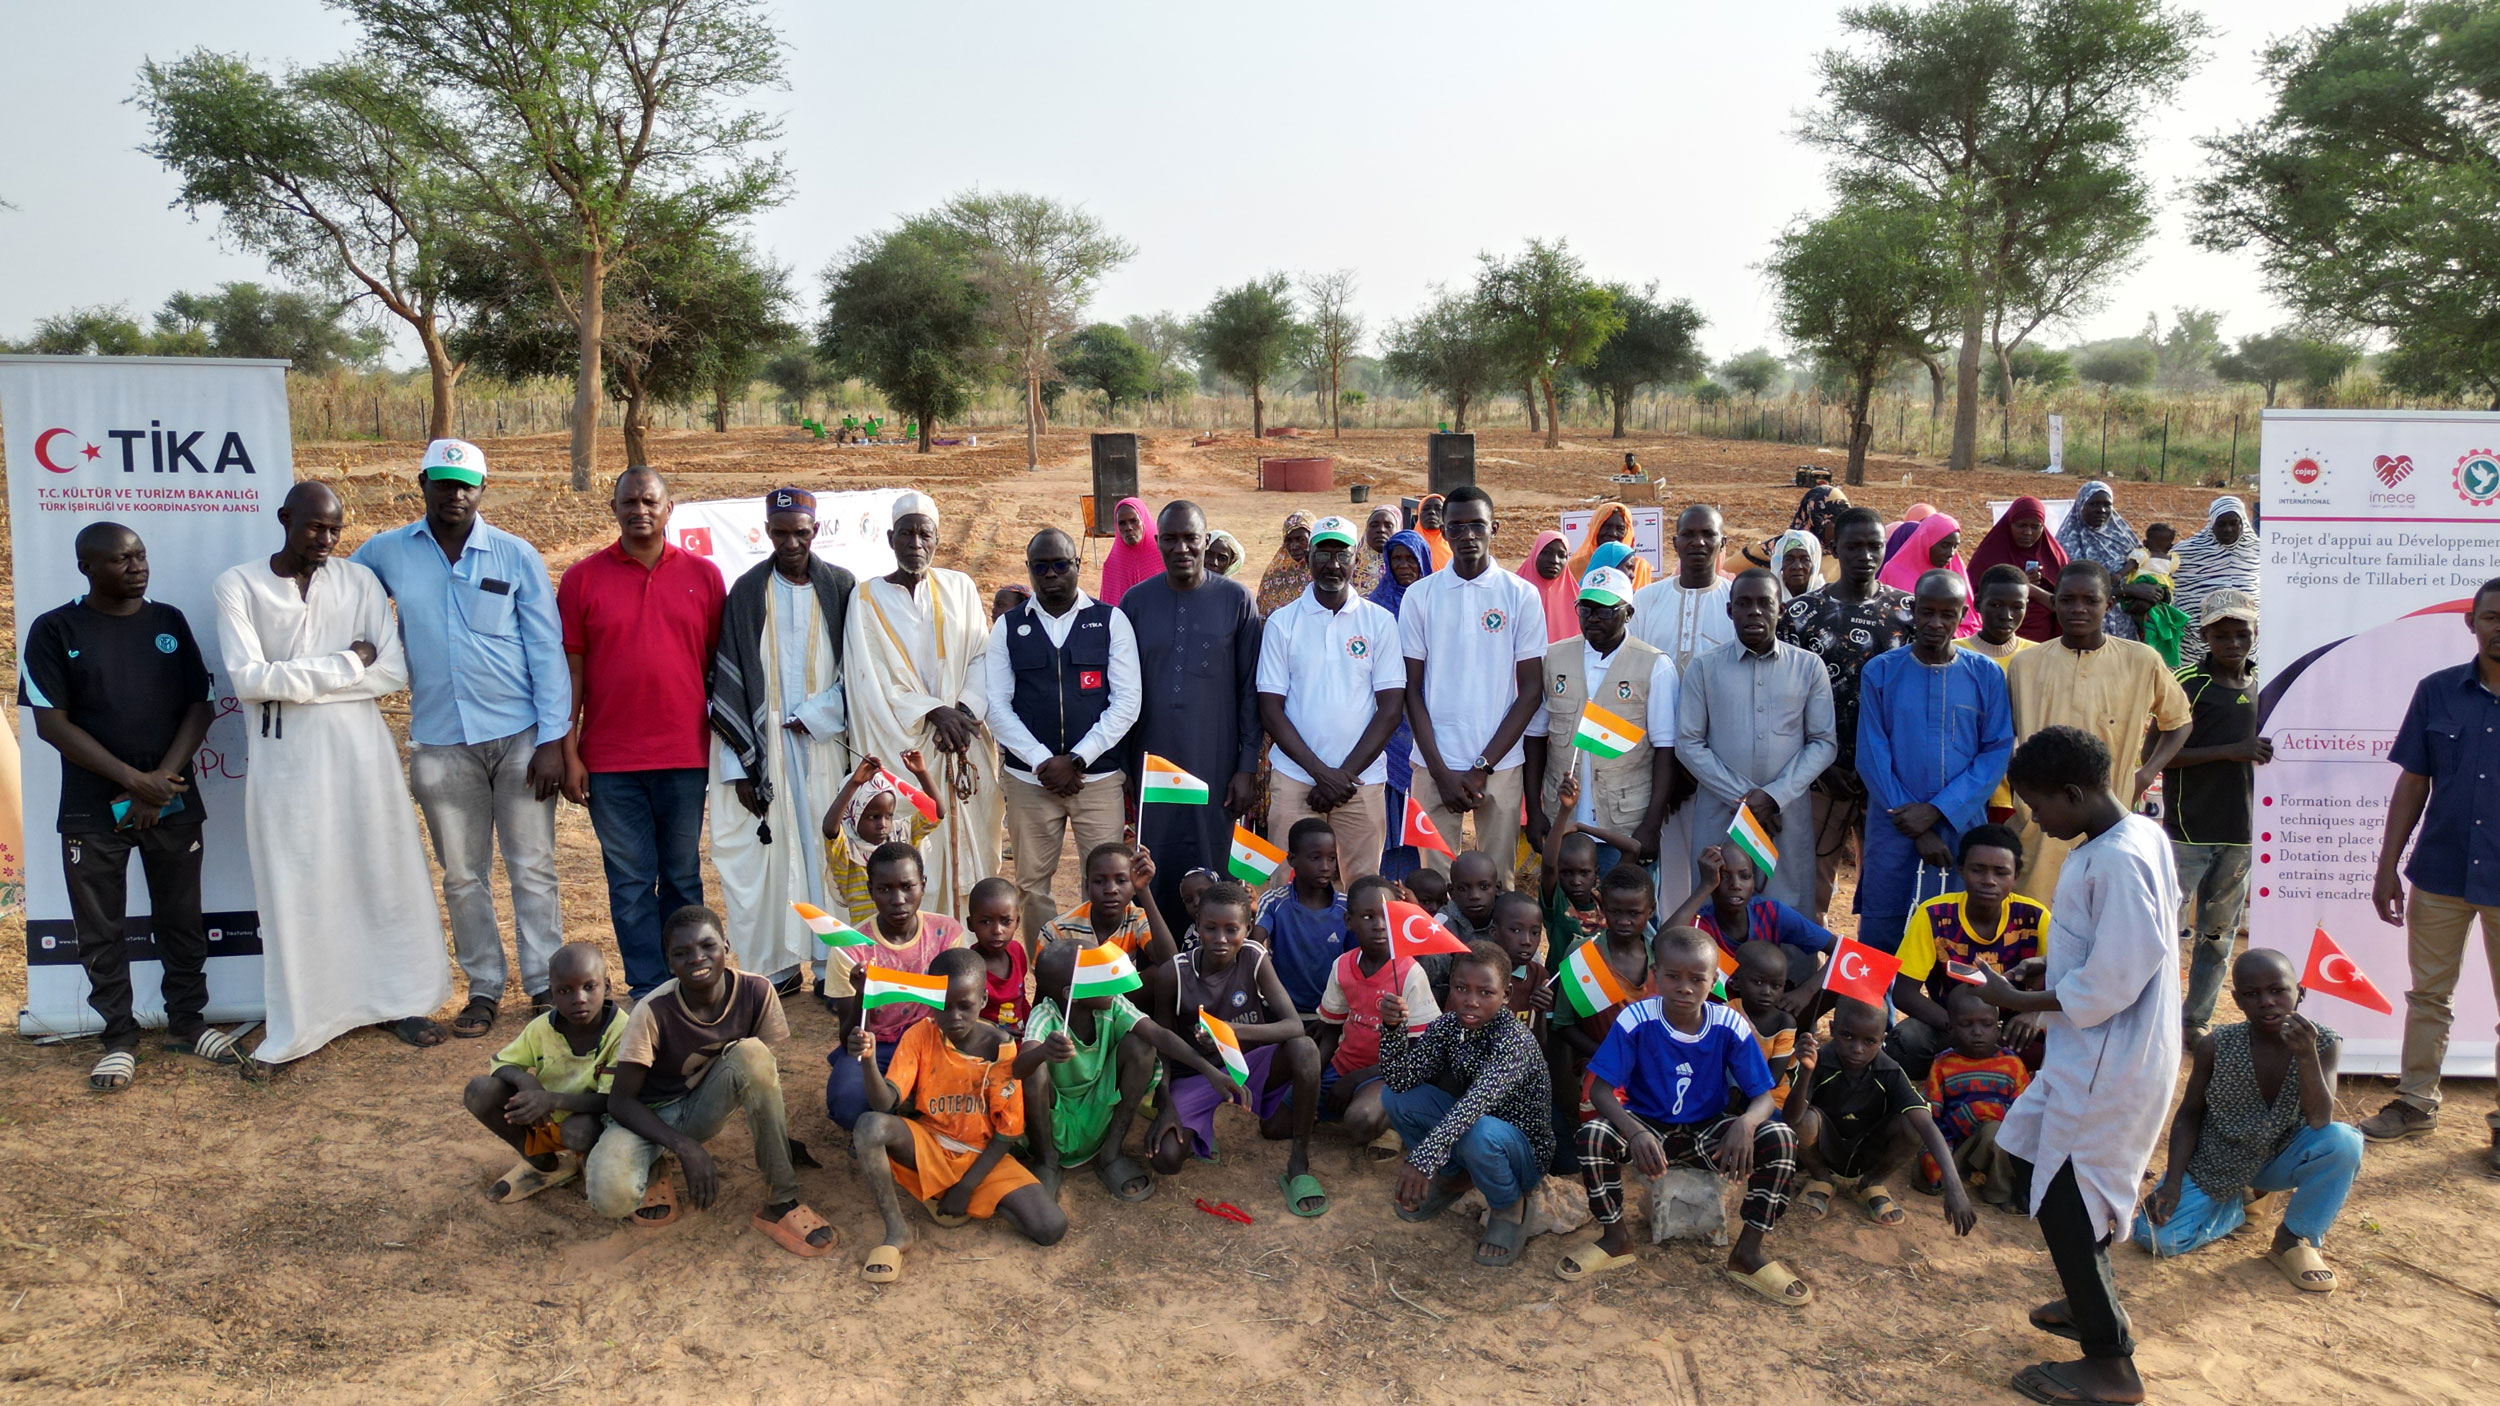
[{"x": 1297, "y": 475}]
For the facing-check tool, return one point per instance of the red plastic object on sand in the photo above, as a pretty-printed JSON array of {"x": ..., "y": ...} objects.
[{"x": 1225, "y": 1210}]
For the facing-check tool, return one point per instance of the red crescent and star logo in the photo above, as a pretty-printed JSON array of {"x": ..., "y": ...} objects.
[
  {"x": 1852, "y": 967},
  {"x": 43, "y": 450}
]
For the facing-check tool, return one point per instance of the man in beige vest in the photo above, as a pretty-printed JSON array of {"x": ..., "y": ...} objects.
[{"x": 1622, "y": 747}]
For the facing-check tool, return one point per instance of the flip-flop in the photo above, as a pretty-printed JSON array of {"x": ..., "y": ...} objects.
[
  {"x": 1439, "y": 1198},
  {"x": 791, "y": 1232},
  {"x": 410, "y": 1029},
  {"x": 212, "y": 1044},
  {"x": 1387, "y": 1147},
  {"x": 2050, "y": 1318},
  {"x": 1299, "y": 1189},
  {"x": 2047, "y": 1382},
  {"x": 944, "y": 1220},
  {"x": 1816, "y": 1199},
  {"x": 1773, "y": 1282},
  {"x": 884, "y": 1265},
  {"x": 1116, "y": 1181},
  {"x": 1582, "y": 1261},
  {"x": 1876, "y": 1200},
  {"x": 113, "y": 1073},
  {"x": 525, "y": 1181},
  {"x": 476, "y": 1019},
  {"x": 1504, "y": 1236},
  {"x": 2301, "y": 1261},
  {"x": 659, "y": 1193}
]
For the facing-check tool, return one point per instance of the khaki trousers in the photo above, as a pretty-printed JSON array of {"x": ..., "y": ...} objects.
[
  {"x": 1038, "y": 822},
  {"x": 1497, "y": 823},
  {"x": 2435, "y": 926},
  {"x": 1361, "y": 823}
]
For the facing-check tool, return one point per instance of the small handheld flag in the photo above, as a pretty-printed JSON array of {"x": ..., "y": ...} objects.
[
  {"x": 1605, "y": 735},
  {"x": 1228, "y": 1046},
  {"x": 1254, "y": 860},
  {"x": 1166, "y": 784},
  {"x": 1749, "y": 835},
  {"x": 1103, "y": 971},
  {"x": 920, "y": 800},
  {"x": 880, "y": 986},
  {"x": 2331, "y": 973},
  {"x": 1860, "y": 972},
  {"x": 1416, "y": 933},
  {"x": 829, "y": 930},
  {"x": 1420, "y": 832},
  {"x": 1587, "y": 984}
]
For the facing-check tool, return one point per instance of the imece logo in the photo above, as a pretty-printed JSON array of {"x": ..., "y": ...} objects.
[{"x": 169, "y": 451}]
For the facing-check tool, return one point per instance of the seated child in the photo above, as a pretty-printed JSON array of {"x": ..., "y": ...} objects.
[
  {"x": 1859, "y": 1120},
  {"x": 902, "y": 938},
  {"x": 1625, "y": 901},
  {"x": 1519, "y": 930},
  {"x": 1567, "y": 885},
  {"x": 1349, "y": 1011},
  {"x": 1303, "y": 923},
  {"x": 1757, "y": 984},
  {"x": 1675, "y": 1055},
  {"x": 696, "y": 1052},
  {"x": 547, "y": 1091},
  {"x": 1119, "y": 907},
  {"x": 1428, "y": 889},
  {"x": 866, "y": 813},
  {"x": 1475, "y": 881},
  {"x": 954, "y": 1076},
  {"x": 993, "y": 911},
  {"x": 1987, "y": 921},
  {"x": 2258, "y": 1116},
  {"x": 1099, "y": 1062},
  {"x": 1229, "y": 977},
  {"x": 1726, "y": 909},
  {"x": 1970, "y": 1086},
  {"x": 1470, "y": 1099},
  {"x": 1608, "y": 847},
  {"x": 1194, "y": 886}
]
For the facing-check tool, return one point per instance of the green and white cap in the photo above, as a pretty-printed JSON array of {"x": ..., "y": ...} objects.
[
  {"x": 1334, "y": 529},
  {"x": 454, "y": 459},
  {"x": 1606, "y": 586}
]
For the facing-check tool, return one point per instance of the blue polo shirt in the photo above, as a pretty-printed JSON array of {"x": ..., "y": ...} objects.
[
  {"x": 485, "y": 654},
  {"x": 2451, "y": 734}
]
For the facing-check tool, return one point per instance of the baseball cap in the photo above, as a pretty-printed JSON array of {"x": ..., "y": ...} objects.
[
  {"x": 454, "y": 459},
  {"x": 1333, "y": 529},
  {"x": 2229, "y": 604},
  {"x": 1606, "y": 586}
]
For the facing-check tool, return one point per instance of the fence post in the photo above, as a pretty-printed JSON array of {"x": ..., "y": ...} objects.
[
  {"x": 2234, "y": 471},
  {"x": 2164, "y": 470},
  {"x": 2104, "y": 440}
]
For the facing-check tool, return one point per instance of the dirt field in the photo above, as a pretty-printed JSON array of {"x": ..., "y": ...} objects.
[{"x": 325, "y": 1236}]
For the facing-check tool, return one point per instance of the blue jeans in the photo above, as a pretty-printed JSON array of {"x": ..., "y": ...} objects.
[
  {"x": 2317, "y": 1169},
  {"x": 2213, "y": 881},
  {"x": 650, "y": 828},
  {"x": 846, "y": 1088},
  {"x": 1496, "y": 1156}
]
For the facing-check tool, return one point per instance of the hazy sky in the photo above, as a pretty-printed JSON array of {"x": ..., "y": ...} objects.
[{"x": 1397, "y": 140}]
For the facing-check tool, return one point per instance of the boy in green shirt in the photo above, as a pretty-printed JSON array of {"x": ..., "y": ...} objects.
[{"x": 547, "y": 1092}]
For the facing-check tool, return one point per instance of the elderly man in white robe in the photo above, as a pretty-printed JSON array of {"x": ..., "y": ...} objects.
[
  {"x": 778, "y": 722},
  {"x": 350, "y": 934},
  {"x": 913, "y": 648},
  {"x": 2081, "y": 1136}
]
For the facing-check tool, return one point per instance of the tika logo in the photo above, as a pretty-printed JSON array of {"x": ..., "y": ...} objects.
[
  {"x": 169, "y": 451},
  {"x": 2392, "y": 469}
]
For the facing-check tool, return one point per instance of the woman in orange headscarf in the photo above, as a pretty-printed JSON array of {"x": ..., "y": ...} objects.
[
  {"x": 1612, "y": 523},
  {"x": 1428, "y": 515}
]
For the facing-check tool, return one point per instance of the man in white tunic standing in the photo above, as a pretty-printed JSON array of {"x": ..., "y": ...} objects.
[
  {"x": 914, "y": 646},
  {"x": 1683, "y": 616},
  {"x": 350, "y": 934},
  {"x": 777, "y": 716},
  {"x": 2083, "y": 1133}
]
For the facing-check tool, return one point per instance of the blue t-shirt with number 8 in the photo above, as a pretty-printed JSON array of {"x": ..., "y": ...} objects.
[{"x": 1668, "y": 1076}]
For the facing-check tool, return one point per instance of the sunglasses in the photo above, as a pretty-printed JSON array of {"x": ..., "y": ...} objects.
[{"x": 1049, "y": 565}]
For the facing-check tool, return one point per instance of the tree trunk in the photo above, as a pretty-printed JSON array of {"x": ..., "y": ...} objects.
[
  {"x": 444, "y": 374},
  {"x": 1553, "y": 414},
  {"x": 1458, "y": 414},
  {"x": 1032, "y": 420},
  {"x": 1336, "y": 394},
  {"x": 1621, "y": 404},
  {"x": 1527, "y": 397},
  {"x": 593, "y": 326},
  {"x": 1966, "y": 389},
  {"x": 1861, "y": 428},
  {"x": 720, "y": 410},
  {"x": 1258, "y": 415},
  {"x": 637, "y": 446},
  {"x": 928, "y": 429}
]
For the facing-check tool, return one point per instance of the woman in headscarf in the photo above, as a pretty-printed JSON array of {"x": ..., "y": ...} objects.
[
  {"x": 1935, "y": 544},
  {"x": 1797, "y": 560},
  {"x": 1611, "y": 523},
  {"x": 1289, "y": 571},
  {"x": 1132, "y": 557},
  {"x": 2094, "y": 531},
  {"x": 2021, "y": 539},
  {"x": 1548, "y": 568},
  {"x": 1428, "y": 515},
  {"x": 1223, "y": 553},
  {"x": 1377, "y": 530},
  {"x": 1619, "y": 556},
  {"x": 1406, "y": 560},
  {"x": 2222, "y": 557},
  {"x": 1818, "y": 512},
  {"x": 1911, "y": 517}
]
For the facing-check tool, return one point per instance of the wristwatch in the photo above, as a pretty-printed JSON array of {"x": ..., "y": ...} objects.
[{"x": 1482, "y": 764}]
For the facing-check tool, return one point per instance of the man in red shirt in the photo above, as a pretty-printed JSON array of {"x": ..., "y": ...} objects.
[{"x": 641, "y": 621}]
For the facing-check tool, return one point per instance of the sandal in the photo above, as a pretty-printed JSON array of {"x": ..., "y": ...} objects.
[
  {"x": 525, "y": 1181},
  {"x": 1387, "y": 1147},
  {"x": 883, "y": 1266},
  {"x": 791, "y": 1232},
  {"x": 417, "y": 1030},
  {"x": 1816, "y": 1199},
  {"x": 1502, "y": 1237},
  {"x": 475, "y": 1019},
  {"x": 945, "y": 1221},
  {"x": 1585, "y": 1260},
  {"x": 1299, "y": 1189},
  {"x": 2048, "y": 1382},
  {"x": 1439, "y": 1198},
  {"x": 1124, "y": 1179},
  {"x": 1880, "y": 1208},
  {"x": 2050, "y": 1318},
  {"x": 112, "y": 1074},
  {"x": 211, "y": 1044},
  {"x": 660, "y": 1194},
  {"x": 1774, "y": 1282},
  {"x": 2305, "y": 1267}
]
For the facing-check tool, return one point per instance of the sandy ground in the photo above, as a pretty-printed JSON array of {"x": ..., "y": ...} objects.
[{"x": 325, "y": 1235}]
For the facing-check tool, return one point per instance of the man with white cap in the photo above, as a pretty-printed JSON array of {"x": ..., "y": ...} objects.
[
  {"x": 1332, "y": 688},
  {"x": 1626, "y": 765},
  {"x": 489, "y": 705},
  {"x": 779, "y": 721},
  {"x": 915, "y": 648}
]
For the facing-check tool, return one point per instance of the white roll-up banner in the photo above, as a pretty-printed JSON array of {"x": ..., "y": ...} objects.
[
  {"x": 729, "y": 532},
  {"x": 2378, "y": 528},
  {"x": 193, "y": 455}
]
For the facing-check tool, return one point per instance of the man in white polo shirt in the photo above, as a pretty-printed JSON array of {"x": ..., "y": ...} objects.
[
  {"x": 1474, "y": 637},
  {"x": 1332, "y": 686}
]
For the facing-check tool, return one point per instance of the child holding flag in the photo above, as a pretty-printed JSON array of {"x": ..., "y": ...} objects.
[
  {"x": 1349, "y": 1011},
  {"x": 1727, "y": 909},
  {"x": 993, "y": 912},
  {"x": 1303, "y": 924},
  {"x": 1596, "y": 979},
  {"x": 901, "y": 939},
  {"x": 1119, "y": 907},
  {"x": 1567, "y": 880},
  {"x": 955, "y": 1075},
  {"x": 866, "y": 813},
  {"x": 1859, "y": 1120}
]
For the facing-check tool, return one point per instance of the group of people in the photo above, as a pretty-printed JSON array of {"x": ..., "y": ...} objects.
[{"x": 1622, "y": 803}]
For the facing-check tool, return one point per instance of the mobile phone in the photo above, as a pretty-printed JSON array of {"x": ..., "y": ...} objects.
[{"x": 1965, "y": 973}]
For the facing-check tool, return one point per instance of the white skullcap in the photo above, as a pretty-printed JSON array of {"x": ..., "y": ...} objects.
[{"x": 913, "y": 502}]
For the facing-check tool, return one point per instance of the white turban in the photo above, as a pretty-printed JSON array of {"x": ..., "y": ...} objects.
[{"x": 913, "y": 502}]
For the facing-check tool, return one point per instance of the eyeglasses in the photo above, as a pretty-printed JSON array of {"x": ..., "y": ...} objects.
[{"x": 1050, "y": 565}]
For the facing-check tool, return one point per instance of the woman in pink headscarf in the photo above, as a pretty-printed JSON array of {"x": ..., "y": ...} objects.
[
  {"x": 1899, "y": 536},
  {"x": 1547, "y": 567},
  {"x": 1132, "y": 557},
  {"x": 1935, "y": 543}
]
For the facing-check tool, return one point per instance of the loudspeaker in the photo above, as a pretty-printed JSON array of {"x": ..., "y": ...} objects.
[
  {"x": 1115, "y": 477},
  {"x": 1453, "y": 460}
]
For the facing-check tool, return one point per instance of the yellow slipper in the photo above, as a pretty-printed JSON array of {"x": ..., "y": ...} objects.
[
  {"x": 1774, "y": 1282},
  {"x": 1584, "y": 1261},
  {"x": 884, "y": 1265},
  {"x": 2306, "y": 1268}
]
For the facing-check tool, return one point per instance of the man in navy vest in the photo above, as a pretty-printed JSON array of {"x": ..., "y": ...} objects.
[{"x": 1063, "y": 691}]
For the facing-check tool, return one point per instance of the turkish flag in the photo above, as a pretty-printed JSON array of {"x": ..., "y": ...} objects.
[
  {"x": 1861, "y": 972},
  {"x": 1420, "y": 832},
  {"x": 695, "y": 540},
  {"x": 919, "y": 799},
  {"x": 2331, "y": 973},
  {"x": 1415, "y": 933}
]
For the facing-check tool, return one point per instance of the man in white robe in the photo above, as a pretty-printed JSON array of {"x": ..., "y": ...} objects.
[
  {"x": 778, "y": 756},
  {"x": 350, "y": 933},
  {"x": 1683, "y": 616},
  {"x": 913, "y": 649}
]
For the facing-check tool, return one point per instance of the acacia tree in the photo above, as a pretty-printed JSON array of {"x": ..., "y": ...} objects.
[
  {"x": 1036, "y": 263},
  {"x": 247, "y": 320},
  {"x": 1449, "y": 349},
  {"x": 1104, "y": 358},
  {"x": 1659, "y": 343},
  {"x": 2268, "y": 359},
  {"x": 1252, "y": 333},
  {"x": 1551, "y": 317},
  {"x": 325, "y": 173},
  {"x": 627, "y": 118},
  {"x": 903, "y": 313},
  {"x": 1336, "y": 331},
  {"x": 1855, "y": 288}
]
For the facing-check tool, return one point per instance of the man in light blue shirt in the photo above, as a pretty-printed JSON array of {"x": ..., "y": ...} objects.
[{"x": 489, "y": 704}]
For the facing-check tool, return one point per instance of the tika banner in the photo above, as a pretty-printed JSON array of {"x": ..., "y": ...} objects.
[
  {"x": 2378, "y": 528},
  {"x": 193, "y": 455},
  {"x": 729, "y": 532}
]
